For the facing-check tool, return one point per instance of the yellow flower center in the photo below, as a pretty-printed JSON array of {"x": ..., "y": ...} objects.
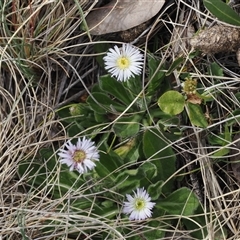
[
  {"x": 139, "y": 204},
  {"x": 79, "y": 156},
  {"x": 123, "y": 63}
]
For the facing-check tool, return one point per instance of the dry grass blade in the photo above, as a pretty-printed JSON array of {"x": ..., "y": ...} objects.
[{"x": 32, "y": 37}]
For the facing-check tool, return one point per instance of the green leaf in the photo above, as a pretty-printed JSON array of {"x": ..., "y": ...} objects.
[
  {"x": 197, "y": 224},
  {"x": 103, "y": 172},
  {"x": 196, "y": 115},
  {"x": 148, "y": 170},
  {"x": 164, "y": 118},
  {"x": 156, "y": 232},
  {"x": 127, "y": 126},
  {"x": 217, "y": 140},
  {"x": 100, "y": 118},
  {"x": 160, "y": 153},
  {"x": 216, "y": 70},
  {"x": 226, "y": 139},
  {"x": 171, "y": 102},
  {"x": 156, "y": 75},
  {"x": 101, "y": 102},
  {"x": 221, "y": 152},
  {"x": 155, "y": 190},
  {"x": 233, "y": 118},
  {"x": 222, "y": 11},
  {"x": 76, "y": 128},
  {"x": 174, "y": 65},
  {"x": 134, "y": 85},
  {"x": 181, "y": 202},
  {"x": 67, "y": 115},
  {"x": 128, "y": 151},
  {"x": 109, "y": 212},
  {"x": 237, "y": 95},
  {"x": 116, "y": 89},
  {"x": 127, "y": 183},
  {"x": 108, "y": 164}
]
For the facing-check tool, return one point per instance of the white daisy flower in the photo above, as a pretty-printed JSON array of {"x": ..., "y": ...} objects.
[
  {"x": 81, "y": 156},
  {"x": 124, "y": 62},
  {"x": 139, "y": 206}
]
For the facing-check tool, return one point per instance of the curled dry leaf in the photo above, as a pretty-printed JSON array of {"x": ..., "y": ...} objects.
[
  {"x": 120, "y": 15},
  {"x": 216, "y": 39},
  {"x": 193, "y": 98}
]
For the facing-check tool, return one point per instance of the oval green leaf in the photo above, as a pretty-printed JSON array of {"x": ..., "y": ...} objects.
[{"x": 171, "y": 102}]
